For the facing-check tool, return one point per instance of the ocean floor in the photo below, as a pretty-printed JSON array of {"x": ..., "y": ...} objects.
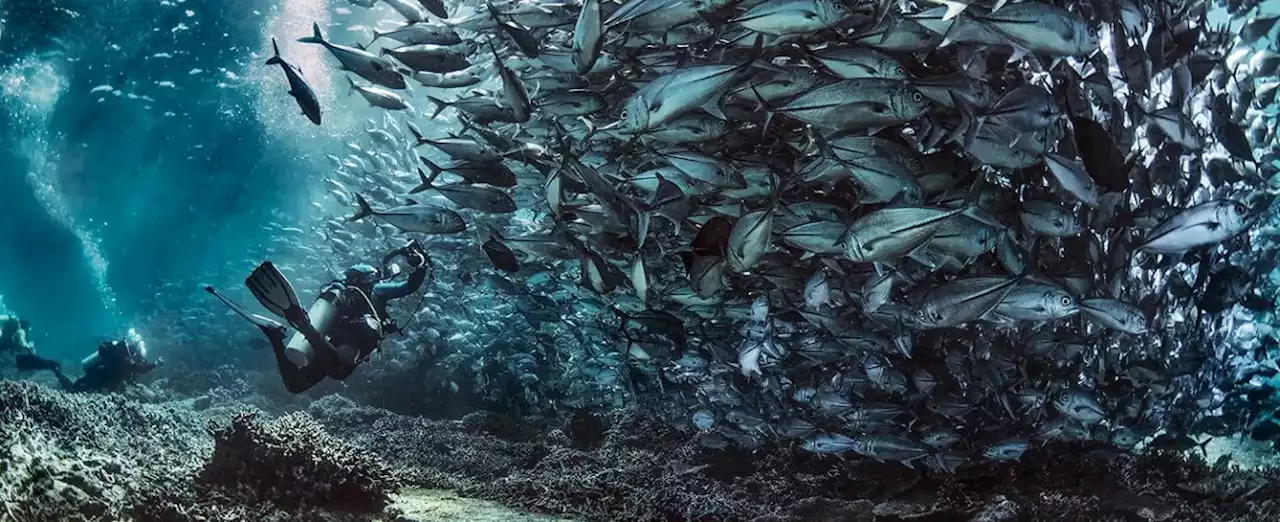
[
  {"x": 233, "y": 455},
  {"x": 442, "y": 505},
  {"x": 1242, "y": 451}
]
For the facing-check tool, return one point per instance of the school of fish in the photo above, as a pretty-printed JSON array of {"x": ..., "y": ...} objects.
[{"x": 932, "y": 232}]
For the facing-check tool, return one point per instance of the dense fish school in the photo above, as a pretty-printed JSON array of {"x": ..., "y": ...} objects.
[{"x": 933, "y": 232}]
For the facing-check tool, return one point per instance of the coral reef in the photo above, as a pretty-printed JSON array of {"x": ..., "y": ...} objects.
[
  {"x": 93, "y": 457},
  {"x": 292, "y": 462},
  {"x": 623, "y": 467},
  {"x": 99, "y": 457}
]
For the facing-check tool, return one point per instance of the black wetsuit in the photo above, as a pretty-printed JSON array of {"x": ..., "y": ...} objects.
[
  {"x": 354, "y": 327},
  {"x": 117, "y": 364},
  {"x": 13, "y": 338}
]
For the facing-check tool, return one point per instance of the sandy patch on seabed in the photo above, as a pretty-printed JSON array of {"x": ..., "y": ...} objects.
[{"x": 442, "y": 505}]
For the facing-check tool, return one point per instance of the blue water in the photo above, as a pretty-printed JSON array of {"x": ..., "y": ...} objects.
[{"x": 117, "y": 204}]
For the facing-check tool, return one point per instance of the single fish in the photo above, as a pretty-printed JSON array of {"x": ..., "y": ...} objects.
[
  {"x": 365, "y": 64},
  {"x": 378, "y": 97},
  {"x": 425, "y": 219},
  {"x": 298, "y": 88}
]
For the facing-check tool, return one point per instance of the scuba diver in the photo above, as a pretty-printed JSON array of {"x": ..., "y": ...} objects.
[
  {"x": 107, "y": 369},
  {"x": 13, "y": 334},
  {"x": 14, "y": 338},
  {"x": 111, "y": 366},
  {"x": 345, "y": 324}
]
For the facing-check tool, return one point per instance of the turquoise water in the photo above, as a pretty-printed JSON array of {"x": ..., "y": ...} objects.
[{"x": 119, "y": 201}]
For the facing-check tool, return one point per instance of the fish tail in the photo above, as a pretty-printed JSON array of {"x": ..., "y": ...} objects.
[
  {"x": 364, "y": 212},
  {"x": 435, "y": 169},
  {"x": 440, "y": 105},
  {"x": 1204, "y": 446},
  {"x": 276, "y": 58},
  {"x": 417, "y": 135},
  {"x": 426, "y": 180},
  {"x": 768, "y": 112},
  {"x": 376, "y": 36},
  {"x": 316, "y": 36},
  {"x": 351, "y": 85}
]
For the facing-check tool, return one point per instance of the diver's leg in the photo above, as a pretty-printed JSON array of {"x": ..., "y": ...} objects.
[
  {"x": 296, "y": 380},
  {"x": 31, "y": 361},
  {"x": 63, "y": 380},
  {"x": 92, "y": 380}
]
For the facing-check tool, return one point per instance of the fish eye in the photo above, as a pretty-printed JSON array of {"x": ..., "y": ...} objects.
[
  {"x": 1239, "y": 209},
  {"x": 917, "y": 97},
  {"x": 1066, "y": 301},
  {"x": 899, "y": 70}
]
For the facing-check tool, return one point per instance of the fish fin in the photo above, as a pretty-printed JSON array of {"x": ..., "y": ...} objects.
[
  {"x": 364, "y": 211},
  {"x": 954, "y": 8},
  {"x": 425, "y": 182},
  {"x": 768, "y": 112},
  {"x": 713, "y": 108},
  {"x": 316, "y": 36},
  {"x": 418, "y": 139},
  {"x": 1020, "y": 52},
  {"x": 1204, "y": 446},
  {"x": 435, "y": 169},
  {"x": 440, "y": 106},
  {"x": 276, "y": 58}
]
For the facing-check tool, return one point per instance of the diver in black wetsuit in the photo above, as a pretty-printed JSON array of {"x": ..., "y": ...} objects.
[
  {"x": 114, "y": 364},
  {"x": 345, "y": 324}
]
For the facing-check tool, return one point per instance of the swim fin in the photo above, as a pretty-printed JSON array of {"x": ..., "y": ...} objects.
[
  {"x": 31, "y": 362},
  {"x": 266, "y": 324},
  {"x": 276, "y": 294}
]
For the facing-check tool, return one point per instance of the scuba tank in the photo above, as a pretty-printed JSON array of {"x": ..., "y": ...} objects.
[
  {"x": 322, "y": 314},
  {"x": 131, "y": 342}
]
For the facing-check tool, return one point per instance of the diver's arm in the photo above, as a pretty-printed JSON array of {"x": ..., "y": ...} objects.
[
  {"x": 20, "y": 341},
  {"x": 142, "y": 366},
  {"x": 388, "y": 291}
]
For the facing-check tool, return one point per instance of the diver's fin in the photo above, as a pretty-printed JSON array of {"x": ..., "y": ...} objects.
[
  {"x": 31, "y": 362},
  {"x": 266, "y": 324},
  {"x": 275, "y": 293}
]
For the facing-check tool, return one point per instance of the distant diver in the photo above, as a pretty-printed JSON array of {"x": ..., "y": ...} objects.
[
  {"x": 13, "y": 334},
  {"x": 15, "y": 342},
  {"x": 106, "y": 370},
  {"x": 346, "y": 322}
]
